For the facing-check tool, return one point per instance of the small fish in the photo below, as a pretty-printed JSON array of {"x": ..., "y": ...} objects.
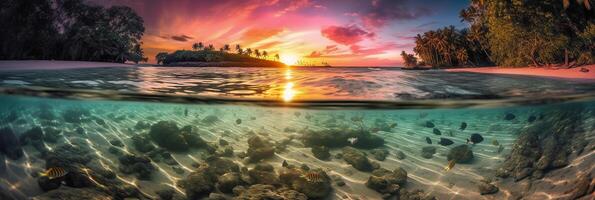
[
  {"x": 54, "y": 172},
  {"x": 495, "y": 142},
  {"x": 509, "y": 116},
  {"x": 463, "y": 126},
  {"x": 445, "y": 142},
  {"x": 375, "y": 130},
  {"x": 531, "y": 119},
  {"x": 500, "y": 149},
  {"x": 475, "y": 139},
  {"x": 186, "y": 112},
  {"x": 450, "y": 165},
  {"x": 297, "y": 114},
  {"x": 393, "y": 125},
  {"x": 428, "y": 140},
  {"x": 238, "y": 121},
  {"x": 352, "y": 140},
  {"x": 313, "y": 177},
  {"x": 429, "y": 124},
  {"x": 437, "y": 132}
]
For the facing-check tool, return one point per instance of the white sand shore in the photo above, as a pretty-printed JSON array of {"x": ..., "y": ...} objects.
[
  {"x": 54, "y": 64},
  {"x": 573, "y": 73}
]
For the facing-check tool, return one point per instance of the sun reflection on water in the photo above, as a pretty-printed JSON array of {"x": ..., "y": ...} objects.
[{"x": 289, "y": 92}]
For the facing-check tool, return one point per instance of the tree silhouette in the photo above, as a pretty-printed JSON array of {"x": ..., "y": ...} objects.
[
  {"x": 160, "y": 57},
  {"x": 239, "y": 49}
]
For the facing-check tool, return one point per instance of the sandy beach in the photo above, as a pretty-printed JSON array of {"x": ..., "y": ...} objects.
[{"x": 572, "y": 73}]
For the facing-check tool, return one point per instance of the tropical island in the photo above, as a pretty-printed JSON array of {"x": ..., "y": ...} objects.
[
  {"x": 208, "y": 56},
  {"x": 533, "y": 35}
]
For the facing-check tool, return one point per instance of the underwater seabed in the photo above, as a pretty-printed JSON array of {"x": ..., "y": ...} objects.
[{"x": 117, "y": 150}]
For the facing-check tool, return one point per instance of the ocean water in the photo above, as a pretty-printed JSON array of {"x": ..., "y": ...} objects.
[{"x": 340, "y": 133}]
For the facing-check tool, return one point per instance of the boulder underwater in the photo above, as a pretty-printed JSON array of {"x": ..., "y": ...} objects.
[{"x": 10, "y": 144}]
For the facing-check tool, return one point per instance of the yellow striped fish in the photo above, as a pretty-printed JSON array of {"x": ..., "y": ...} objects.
[
  {"x": 450, "y": 165},
  {"x": 54, "y": 172},
  {"x": 313, "y": 177}
]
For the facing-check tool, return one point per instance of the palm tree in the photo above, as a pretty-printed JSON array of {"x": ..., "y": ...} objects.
[
  {"x": 160, "y": 57},
  {"x": 239, "y": 49},
  {"x": 277, "y": 57},
  {"x": 265, "y": 54},
  {"x": 211, "y": 47},
  {"x": 198, "y": 46},
  {"x": 226, "y": 47},
  {"x": 249, "y": 52},
  {"x": 257, "y": 53},
  {"x": 462, "y": 56}
]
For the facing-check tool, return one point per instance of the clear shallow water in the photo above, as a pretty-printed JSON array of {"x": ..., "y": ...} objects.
[{"x": 94, "y": 129}]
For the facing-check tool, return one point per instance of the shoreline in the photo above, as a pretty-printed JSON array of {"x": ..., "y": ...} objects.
[{"x": 572, "y": 73}]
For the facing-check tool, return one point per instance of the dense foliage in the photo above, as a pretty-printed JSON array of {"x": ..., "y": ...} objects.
[
  {"x": 409, "y": 60},
  {"x": 208, "y": 55},
  {"x": 69, "y": 30},
  {"x": 515, "y": 33},
  {"x": 449, "y": 47}
]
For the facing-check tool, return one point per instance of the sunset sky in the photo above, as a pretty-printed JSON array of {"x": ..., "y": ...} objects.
[{"x": 340, "y": 32}]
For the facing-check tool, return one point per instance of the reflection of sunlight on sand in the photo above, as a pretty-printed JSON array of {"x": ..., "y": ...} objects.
[
  {"x": 86, "y": 170},
  {"x": 97, "y": 152},
  {"x": 171, "y": 178}
]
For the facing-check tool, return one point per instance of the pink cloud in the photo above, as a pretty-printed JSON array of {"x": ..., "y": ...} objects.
[
  {"x": 346, "y": 35},
  {"x": 359, "y": 50}
]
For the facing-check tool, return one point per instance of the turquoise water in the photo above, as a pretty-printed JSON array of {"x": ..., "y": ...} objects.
[{"x": 143, "y": 133}]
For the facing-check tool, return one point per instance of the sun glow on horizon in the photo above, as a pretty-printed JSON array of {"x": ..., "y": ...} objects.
[{"x": 289, "y": 59}]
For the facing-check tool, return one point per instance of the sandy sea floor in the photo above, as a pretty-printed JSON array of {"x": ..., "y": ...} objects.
[{"x": 277, "y": 124}]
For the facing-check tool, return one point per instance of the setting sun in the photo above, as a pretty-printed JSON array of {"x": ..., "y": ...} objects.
[{"x": 289, "y": 59}]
